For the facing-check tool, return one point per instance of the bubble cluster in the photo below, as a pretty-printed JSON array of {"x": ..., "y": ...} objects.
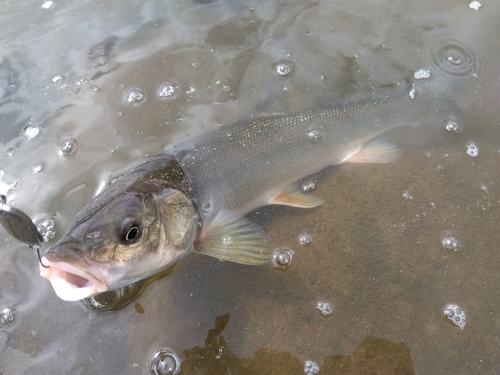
[
  {"x": 311, "y": 367},
  {"x": 475, "y": 5},
  {"x": 67, "y": 146},
  {"x": 31, "y": 131},
  {"x": 305, "y": 239},
  {"x": 134, "y": 96},
  {"x": 452, "y": 57},
  {"x": 58, "y": 79},
  {"x": 283, "y": 257},
  {"x": 325, "y": 308},
  {"x": 407, "y": 195},
  {"x": 47, "y": 4},
  {"x": 456, "y": 314},
  {"x": 6, "y": 317},
  {"x": 472, "y": 149},
  {"x": 422, "y": 74},
  {"x": 451, "y": 125},
  {"x": 308, "y": 186},
  {"x": 37, "y": 168},
  {"x": 164, "y": 362},
  {"x": 167, "y": 90},
  {"x": 47, "y": 229},
  {"x": 451, "y": 242},
  {"x": 313, "y": 135}
]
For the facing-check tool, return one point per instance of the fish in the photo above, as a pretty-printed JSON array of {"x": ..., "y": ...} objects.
[{"x": 195, "y": 195}]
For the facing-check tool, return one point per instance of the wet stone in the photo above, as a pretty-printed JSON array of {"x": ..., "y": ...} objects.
[
  {"x": 165, "y": 362},
  {"x": 456, "y": 315},
  {"x": 311, "y": 367}
]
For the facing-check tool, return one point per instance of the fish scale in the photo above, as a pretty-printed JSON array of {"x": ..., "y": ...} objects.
[{"x": 235, "y": 165}]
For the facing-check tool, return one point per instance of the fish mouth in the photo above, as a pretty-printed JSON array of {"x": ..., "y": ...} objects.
[{"x": 71, "y": 283}]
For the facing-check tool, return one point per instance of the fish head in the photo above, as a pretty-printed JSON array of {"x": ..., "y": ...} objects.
[{"x": 115, "y": 242}]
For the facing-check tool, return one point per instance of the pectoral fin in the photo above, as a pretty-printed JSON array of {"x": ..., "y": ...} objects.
[
  {"x": 293, "y": 196},
  {"x": 377, "y": 150},
  {"x": 235, "y": 239}
]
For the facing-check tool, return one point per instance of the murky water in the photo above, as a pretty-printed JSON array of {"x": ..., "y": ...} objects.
[{"x": 87, "y": 90}]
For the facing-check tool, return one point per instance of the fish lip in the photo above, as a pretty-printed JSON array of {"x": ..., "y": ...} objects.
[{"x": 71, "y": 283}]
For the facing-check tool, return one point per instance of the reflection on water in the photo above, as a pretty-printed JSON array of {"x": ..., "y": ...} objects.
[
  {"x": 86, "y": 90},
  {"x": 372, "y": 356}
]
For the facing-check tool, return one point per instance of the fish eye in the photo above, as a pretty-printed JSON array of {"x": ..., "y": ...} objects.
[{"x": 130, "y": 230}]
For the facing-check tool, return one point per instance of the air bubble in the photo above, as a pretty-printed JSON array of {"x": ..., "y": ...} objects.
[
  {"x": 283, "y": 257},
  {"x": 47, "y": 229},
  {"x": 456, "y": 315},
  {"x": 6, "y": 317},
  {"x": 67, "y": 146},
  {"x": 308, "y": 186},
  {"x": 47, "y": 4},
  {"x": 167, "y": 90},
  {"x": 31, "y": 131},
  {"x": 475, "y": 5},
  {"x": 164, "y": 362},
  {"x": 37, "y": 168},
  {"x": 452, "y": 57},
  {"x": 134, "y": 96},
  {"x": 451, "y": 125},
  {"x": 311, "y": 367},
  {"x": 313, "y": 135},
  {"x": 325, "y": 308},
  {"x": 472, "y": 149},
  {"x": 283, "y": 68},
  {"x": 58, "y": 79},
  {"x": 422, "y": 74},
  {"x": 407, "y": 195},
  {"x": 451, "y": 242},
  {"x": 226, "y": 241},
  {"x": 305, "y": 239}
]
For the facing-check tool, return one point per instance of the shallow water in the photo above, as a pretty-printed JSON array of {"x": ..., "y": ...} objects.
[{"x": 376, "y": 255}]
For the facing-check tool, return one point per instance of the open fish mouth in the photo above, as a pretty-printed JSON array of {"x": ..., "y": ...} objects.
[{"x": 70, "y": 282}]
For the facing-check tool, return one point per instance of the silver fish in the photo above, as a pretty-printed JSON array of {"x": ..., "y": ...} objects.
[{"x": 195, "y": 196}]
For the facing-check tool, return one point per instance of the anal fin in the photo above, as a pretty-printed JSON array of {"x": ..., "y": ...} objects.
[
  {"x": 235, "y": 239},
  {"x": 377, "y": 150},
  {"x": 293, "y": 196}
]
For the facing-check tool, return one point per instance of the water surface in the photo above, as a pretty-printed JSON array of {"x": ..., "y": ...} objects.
[{"x": 124, "y": 83}]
